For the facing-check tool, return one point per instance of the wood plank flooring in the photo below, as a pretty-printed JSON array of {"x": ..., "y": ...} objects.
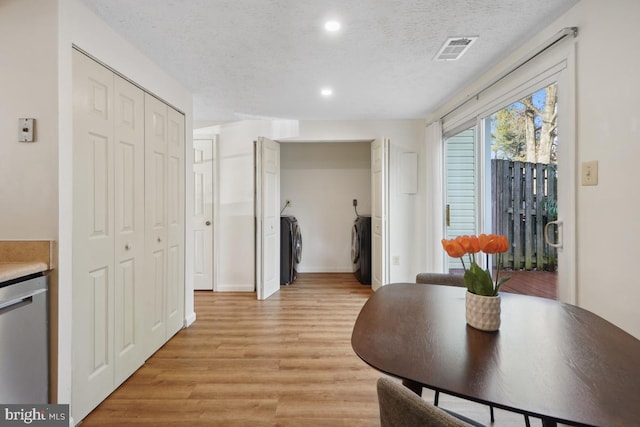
[
  {"x": 286, "y": 361},
  {"x": 536, "y": 283}
]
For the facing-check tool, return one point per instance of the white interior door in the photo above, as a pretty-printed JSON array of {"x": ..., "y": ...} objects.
[
  {"x": 174, "y": 308},
  {"x": 156, "y": 219},
  {"x": 203, "y": 166},
  {"x": 129, "y": 228},
  {"x": 267, "y": 218},
  {"x": 379, "y": 214},
  {"x": 93, "y": 234}
]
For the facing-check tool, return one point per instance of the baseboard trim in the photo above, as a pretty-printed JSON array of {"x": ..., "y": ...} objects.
[
  {"x": 188, "y": 321},
  {"x": 325, "y": 270},
  {"x": 235, "y": 288}
]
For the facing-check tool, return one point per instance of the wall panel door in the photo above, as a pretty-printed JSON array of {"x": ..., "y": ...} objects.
[
  {"x": 129, "y": 228},
  {"x": 93, "y": 235},
  {"x": 267, "y": 217},
  {"x": 156, "y": 137},
  {"x": 379, "y": 213},
  {"x": 202, "y": 221},
  {"x": 175, "y": 222}
]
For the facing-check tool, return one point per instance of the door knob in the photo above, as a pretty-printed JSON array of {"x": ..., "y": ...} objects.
[
  {"x": 159, "y": 240},
  {"x": 207, "y": 223},
  {"x": 127, "y": 247}
]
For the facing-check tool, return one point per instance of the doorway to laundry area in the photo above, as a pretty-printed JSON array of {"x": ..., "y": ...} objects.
[{"x": 320, "y": 180}]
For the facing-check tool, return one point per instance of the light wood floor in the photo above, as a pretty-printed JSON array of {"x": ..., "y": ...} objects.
[{"x": 286, "y": 361}]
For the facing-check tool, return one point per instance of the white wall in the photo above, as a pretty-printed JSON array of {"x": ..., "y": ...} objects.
[
  {"x": 321, "y": 180},
  {"x": 608, "y": 130},
  {"x": 28, "y": 171},
  {"x": 236, "y": 232},
  {"x": 28, "y": 88},
  {"x": 406, "y": 216},
  {"x": 78, "y": 25}
]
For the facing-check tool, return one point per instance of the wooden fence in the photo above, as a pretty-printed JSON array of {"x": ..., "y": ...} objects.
[{"x": 524, "y": 200}]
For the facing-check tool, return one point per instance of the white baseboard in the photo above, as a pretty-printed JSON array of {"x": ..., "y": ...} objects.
[
  {"x": 189, "y": 319},
  {"x": 238, "y": 287},
  {"x": 325, "y": 269}
]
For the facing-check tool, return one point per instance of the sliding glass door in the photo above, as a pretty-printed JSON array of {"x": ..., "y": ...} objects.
[
  {"x": 522, "y": 144},
  {"x": 461, "y": 187},
  {"x": 510, "y": 168},
  {"x": 501, "y": 177}
]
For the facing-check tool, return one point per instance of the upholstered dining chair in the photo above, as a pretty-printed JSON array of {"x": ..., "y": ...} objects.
[
  {"x": 400, "y": 407},
  {"x": 448, "y": 279}
]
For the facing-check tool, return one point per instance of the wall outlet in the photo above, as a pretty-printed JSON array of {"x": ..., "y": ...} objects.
[
  {"x": 395, "y": 260},
  {"x": 590, "y": 173},
  {"x": 288, "y": 203},
  {"x": 355, "y": 202}
]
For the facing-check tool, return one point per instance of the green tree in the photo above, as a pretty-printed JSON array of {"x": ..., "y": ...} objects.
[
  {"x": 526, "y": 130},
  {"x": 508, "y": 135}
]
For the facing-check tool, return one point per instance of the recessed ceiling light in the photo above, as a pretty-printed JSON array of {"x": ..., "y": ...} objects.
[
  {"x": 326, "y": 92},
  {"x": 332, "y": 26}
]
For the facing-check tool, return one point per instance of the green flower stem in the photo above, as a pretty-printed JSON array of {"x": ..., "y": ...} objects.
[{"x": 498, "y": 272}]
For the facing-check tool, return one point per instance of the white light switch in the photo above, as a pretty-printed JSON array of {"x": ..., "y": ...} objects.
[
  {"x": 590, "y": 173},
  {"x": 25, "y": 130}
]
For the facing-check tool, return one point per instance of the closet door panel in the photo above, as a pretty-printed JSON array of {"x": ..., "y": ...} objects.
[
  {"x": 129, "y": 228},
  {"x": 175, "y": 212},
  {"x": 93, "y": 235},
  {"x": 156, "y": 230}
]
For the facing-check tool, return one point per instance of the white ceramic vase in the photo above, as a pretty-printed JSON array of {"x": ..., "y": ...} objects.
[{"x": 483, "y": 312}]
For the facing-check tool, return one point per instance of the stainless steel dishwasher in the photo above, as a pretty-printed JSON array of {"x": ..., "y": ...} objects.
[{"x": 24, "y": 340}]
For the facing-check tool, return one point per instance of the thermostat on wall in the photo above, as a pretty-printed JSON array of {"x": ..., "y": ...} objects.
[{"x": 25, "y": 130}]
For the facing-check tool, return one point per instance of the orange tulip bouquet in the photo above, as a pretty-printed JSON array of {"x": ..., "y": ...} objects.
[{"x": 477, "y": 280}]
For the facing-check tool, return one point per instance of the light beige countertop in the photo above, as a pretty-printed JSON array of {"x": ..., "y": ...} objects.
[
  {"x": 19, "y": 258},
  {"x": 14, "y": 270}
]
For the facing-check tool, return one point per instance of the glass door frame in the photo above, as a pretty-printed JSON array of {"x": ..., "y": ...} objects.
[{"x": 558, "y": 67}]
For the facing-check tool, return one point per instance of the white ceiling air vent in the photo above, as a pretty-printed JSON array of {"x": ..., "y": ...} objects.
[{"x": 454, "y": 48}]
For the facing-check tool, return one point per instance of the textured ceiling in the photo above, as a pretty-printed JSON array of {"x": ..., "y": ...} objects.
[{"x": 270, "y": 58}]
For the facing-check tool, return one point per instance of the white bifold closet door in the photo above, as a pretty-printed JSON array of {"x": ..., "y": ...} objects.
[
  {"x": 128, "y": 230},
  {"x": 380, "y": 152},
  {"x": 175, "y": 214},
  {"x": 129, "y": 312},
  {"x": 165, "y": 219},
  {"x": 108, "y": 232},
  {"x": 93, "y": 235}
]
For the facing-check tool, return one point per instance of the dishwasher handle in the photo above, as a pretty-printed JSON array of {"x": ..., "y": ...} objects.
[{"x": 21, "y": 300}]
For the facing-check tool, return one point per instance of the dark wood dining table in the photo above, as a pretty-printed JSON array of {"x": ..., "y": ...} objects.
[{"x": 550, "y": 360}]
